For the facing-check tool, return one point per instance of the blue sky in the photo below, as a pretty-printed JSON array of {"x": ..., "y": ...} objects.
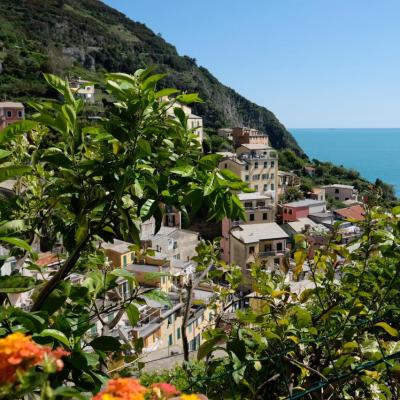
[{"x": 314, "y": 63}]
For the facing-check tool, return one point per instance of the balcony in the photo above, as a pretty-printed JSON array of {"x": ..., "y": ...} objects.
[{"x": 272, "y": 253}]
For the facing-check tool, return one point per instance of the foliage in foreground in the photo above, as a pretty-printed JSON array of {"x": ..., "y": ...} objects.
[
  {"x": 78, "y": 185},
  {"x": 339, "y": 338}
]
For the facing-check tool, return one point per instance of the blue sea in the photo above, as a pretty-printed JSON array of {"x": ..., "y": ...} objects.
[{"x": 375, "y": 153}]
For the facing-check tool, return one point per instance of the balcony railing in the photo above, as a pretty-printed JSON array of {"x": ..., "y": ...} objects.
[{"x": 272, "y": 253}]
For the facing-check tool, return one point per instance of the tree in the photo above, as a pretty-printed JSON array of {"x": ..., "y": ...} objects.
[{"x": 85, "y": 184}]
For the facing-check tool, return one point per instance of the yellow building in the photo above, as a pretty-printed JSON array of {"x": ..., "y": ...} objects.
[
  {"x": 265, "y": 243},
  {"x": 255, "y": 164}
]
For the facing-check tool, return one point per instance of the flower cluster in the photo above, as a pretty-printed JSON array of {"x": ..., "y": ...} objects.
[
  {"x": 131, "y": 389},
  {"x": 18, "y": 353}
]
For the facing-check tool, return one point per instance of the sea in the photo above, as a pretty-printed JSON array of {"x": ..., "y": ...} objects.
[{"x": 375, "y": 153}]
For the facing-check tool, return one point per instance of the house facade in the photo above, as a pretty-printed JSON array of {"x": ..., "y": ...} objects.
[
  {"x": 245, "y": 135},
  {"x": 341, "y": 192},
  {"x": 10, "y": 112},
  {"x": 255, "y": 164},
  {"x": 302, "y": 208},
  {"x": 265, "y": 243},
  {"x": 259, "y": 208}
]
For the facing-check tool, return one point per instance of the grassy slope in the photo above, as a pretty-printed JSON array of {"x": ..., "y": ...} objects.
[{"x": 36, "y": 34}]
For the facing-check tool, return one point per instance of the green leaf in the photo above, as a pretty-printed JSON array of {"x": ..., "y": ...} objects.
[
  {"x": 184, "y": 170},
  {"x": 189, "y": 98},
  {"x": 133, "y": 314},
  {"x": 14, "y": 130},
  {"x": 159, "y": 296},
  {"x": 146, "y": 207},
  {"x": 4, "y": 154},
  {"x": 17, "y": 242},
  {"x": 152, "y": 80},
  {"x": 123, "y": 273},
  {"x": 390, "y": 330},
  {"x": 166, "y": 92},
  {"x": 210, "y": 160},
  {"x": 13, "y": 171},
  {"x": 69, "y": 392},
  {"x": 230, "y": 175},
  {"x": 303, "y": 317},
  {"x": 105, "y": 343},
  {"x": 16, "y": 283},
  {"x": 207, "y": 347},
  {"x": 16, "y": 225},
  {"x": 56, "y": 335}
]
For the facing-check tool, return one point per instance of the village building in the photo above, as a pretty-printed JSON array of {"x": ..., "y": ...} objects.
[
  {"x": 10, "y": 112},
  {"x": 301, "y": 208},
  {"x": 256, "y": 164},
  {"x": 83, "y": 89},
  {"x": 259, "y": 208},
  {"x": 341, "y": 192},
  {"x": 265, "y": 243},
  {"x": 245, "y": 135}
]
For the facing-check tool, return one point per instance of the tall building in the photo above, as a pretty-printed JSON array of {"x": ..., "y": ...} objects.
[
  {"x": 259, "y": 208},
  {"x": 10, "y": 112},
  {"x": 256, "y": 164},
  {"x": 245, "y": 135}
]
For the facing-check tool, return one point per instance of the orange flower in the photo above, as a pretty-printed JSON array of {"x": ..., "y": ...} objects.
[
  {"x": 164, "y": 390},
  {"x": 19, "y": 353},
  {"x": 122, "y": 389}
]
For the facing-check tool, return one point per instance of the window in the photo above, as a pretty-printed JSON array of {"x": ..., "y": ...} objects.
[
  {"x": 251, "y": 217},
  {"x": 248, "y": 204},
  {"x": 276, "y": 261},
  {"x": 9, "y": 114},
  {"x": 190, "y": 328},
  {"x": 272, "y": 164},
  {"x": 265, "y": 164},
  {"x": 170, "y": 340},
  {"x": 13, "y": 266},
  {"x": 256, "y": 165},
  {"x": 256, "y": 177},
  {"x": 279, "y": 246},
  {"x": 255, "y": 187},
  {"x": 265, "y": 187},
  {"x": 272, "y": 186},
  {"x": 265, "y": 216},
  {"x": 336, "y": 190},
  {"x": 170, "y": 319},
  {"x": 247, "y": 167},
  {"x": 265, "y": 176},
  {"x": 247, "y": 178},
  {"x": 285, "y": 210},
  {"x": 20, "y": 114},
  {"x": 272, "y": 176},
  {"x": 346, "y": 198},
  {"x": 268, "y": 247},
  {"x": 178, "y": 333},
  {"x": 124, "y": 261},
  {"x": 226, "y": 165},
  {"x": 290, "y": 211},
  {"x": 251, "y": 249}
]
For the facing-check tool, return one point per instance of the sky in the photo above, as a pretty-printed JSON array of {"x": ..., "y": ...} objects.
[{"x": 314, "y": 63}]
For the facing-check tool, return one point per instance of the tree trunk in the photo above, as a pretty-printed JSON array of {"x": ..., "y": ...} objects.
[{"x": 188, "y": 304}]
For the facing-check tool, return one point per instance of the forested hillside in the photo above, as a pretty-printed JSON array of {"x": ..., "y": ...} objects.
[{"x": 87, "y": 38}]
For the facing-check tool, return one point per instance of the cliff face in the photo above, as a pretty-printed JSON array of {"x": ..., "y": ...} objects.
[{"x": 88, "y": 38}]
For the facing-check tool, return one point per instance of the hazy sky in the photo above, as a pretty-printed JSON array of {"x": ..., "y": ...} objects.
[{"x": 314, "y": 63}]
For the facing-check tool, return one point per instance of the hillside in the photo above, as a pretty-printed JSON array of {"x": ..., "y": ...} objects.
[{"x": 88, "y": 38}]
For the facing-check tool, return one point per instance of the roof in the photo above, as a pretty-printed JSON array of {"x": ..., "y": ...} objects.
[
  {"x": 194, "y": 116},
  {"x": 47, "y": 259},
  {"x": 119, "y": 246},
  {"x": 164, "y": 231},
  {"x": 256, "y": 146},
  {"x": 317, "y": 190},
  {"x": 353, "y": 212},
  {"x": 305, "y": 203},
  {"x": 143, "y": 268},
  {"x": 252, "y": 196},
  {"x": 10, "y": 104},
  {"x": 300, "y": 225},
  {"x": 255, "y": 232},
  {"x": 339, "y": 185},
  {"x": 282, "y": 173}
]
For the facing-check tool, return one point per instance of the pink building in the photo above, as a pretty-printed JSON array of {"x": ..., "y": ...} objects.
[
  {"x": 301, "y": 209},
  {"x": 10, "y": 112}
]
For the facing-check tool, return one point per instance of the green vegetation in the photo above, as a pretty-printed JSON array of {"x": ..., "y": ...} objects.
[
  {"x": 338, "y": 339},
  {"x": 325, "y": 173},
  {"x": 87, "y": 38},
  {"x": 83, "y": 184}
]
